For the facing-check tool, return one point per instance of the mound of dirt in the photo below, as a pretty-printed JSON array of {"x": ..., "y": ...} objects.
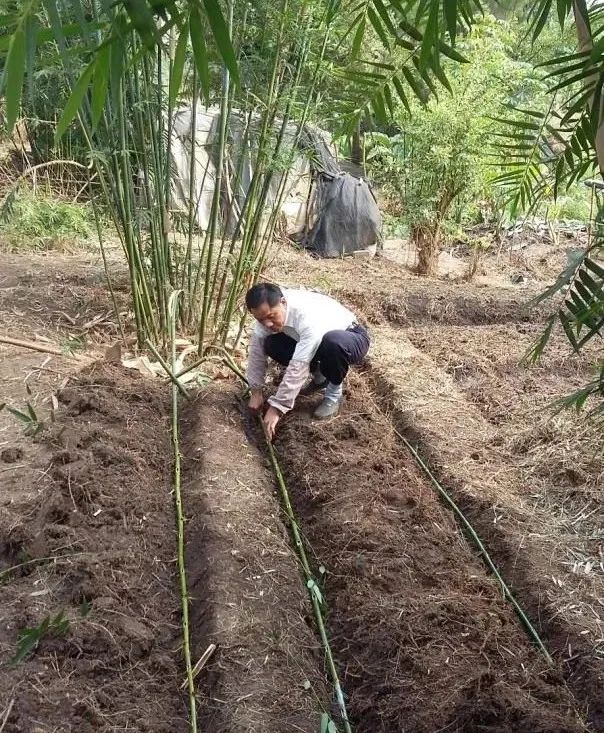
[
  {"x": 422, "y": 635},
  {"x": 92, "y": 538}
]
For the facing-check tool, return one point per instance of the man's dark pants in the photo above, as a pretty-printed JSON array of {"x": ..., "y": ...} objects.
[{"x": 337, "y": 351}]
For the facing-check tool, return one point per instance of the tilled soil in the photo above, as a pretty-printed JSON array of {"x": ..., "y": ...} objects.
[
  {"x": 526, "y": 477},
  {"x": 91, "y": 536},
  {"x": 420, "y": 631},
  {"x": 386, "y": 292}
]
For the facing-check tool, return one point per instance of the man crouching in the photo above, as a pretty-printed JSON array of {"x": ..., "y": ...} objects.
[{"x": 309, "y": 333}]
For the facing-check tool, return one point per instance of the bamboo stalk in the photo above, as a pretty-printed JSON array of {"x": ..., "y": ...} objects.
[
  {"x": 173, "y": 378},
  {"x": 224, "y": 114},
  {"x": 34, "y": 346},
  {"x": 99, "y": 231},
  {"x": 299, "y": 545},
  {"x": 187, "y": 274},
  {"x": 479, "y": 544},
  {"x": 180, "y": 522}
]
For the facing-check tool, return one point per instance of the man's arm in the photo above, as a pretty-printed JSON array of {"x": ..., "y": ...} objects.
[
  {"x": 297, "y": 371},
  {"x": 293, "y": 380},
  {"x": 256, "y": 370}
]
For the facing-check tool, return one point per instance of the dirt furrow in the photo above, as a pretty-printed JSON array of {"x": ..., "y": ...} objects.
[
  {"x": 422, "y": 635},
  {"x": 91, "y": 527},
  {"x": 511, "y": 510},
  {"x": 247, "y": 594}
]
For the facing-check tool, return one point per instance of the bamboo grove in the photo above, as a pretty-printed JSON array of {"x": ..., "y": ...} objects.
[
  {"x": 130, "y": 67},
  {"x": 125, "y": 101},
  {"x": 270, "y": 69}
]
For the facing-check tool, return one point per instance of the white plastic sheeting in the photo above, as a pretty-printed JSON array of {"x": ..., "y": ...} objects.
[{"x": 238, "y": 157}]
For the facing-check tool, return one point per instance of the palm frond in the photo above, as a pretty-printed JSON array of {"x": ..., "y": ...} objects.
[
  {"x": 581, "y": 312},
  {"x": 541, "y": 153},
  {"x": 523, "y": 157}
]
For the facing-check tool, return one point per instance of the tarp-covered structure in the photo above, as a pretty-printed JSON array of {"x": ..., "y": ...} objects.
[{"x": 324, "y": 208}]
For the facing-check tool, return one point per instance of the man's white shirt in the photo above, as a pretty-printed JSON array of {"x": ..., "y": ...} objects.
[{"x": 309, "y": 316}]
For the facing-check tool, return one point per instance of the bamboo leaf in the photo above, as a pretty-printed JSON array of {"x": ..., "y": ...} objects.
[
  {"x": 56, "y": 27},
  {"x": 116, "y": 69},
  {"x": 400, "y": 90},
  {"x": 563, "y": 10},
  {"x": 44, "y": 35},
  {"x": 100, "y": 83},
  {"x": 564, "y": 278},
  {"x": 29, "y": 638},
  {"x": 383, "y": 13},
  {"x": 452, "y": 53},
  {"x": 534, "y": 353},
  {"x": 32, "y": 412},
  {"x": 358, "y": 38},
  {"x": 19, "y": 415},
  {"x": 200, "y": 54},
  {"x": 31, "y": 37},
  {"x": 378, "y": 27},
  {"x": 594, "y": 267},
  {"x": 222, "y": 37},
  {"x": 410, "y": 29},
  {"x": 541, "y": 18},
  {"x": 414, "y": 83},
  {"x": 379, "y": 108},
  {"x": 142, "y": 19},
  {"x": 388, "y": 99},
  {"x": 594, "y": 288},
  {"x": 315, "y": 590},
  {"x": 440, "y": 74},
  {"x": 450, "y": 8},
  {"x": 14, "y": 72},
  {"x": 568, "y": 330},
  {"x": 430, "y": 36},
  {"x": 75, "y": 100},
  {"x": 179, "y": 64}
]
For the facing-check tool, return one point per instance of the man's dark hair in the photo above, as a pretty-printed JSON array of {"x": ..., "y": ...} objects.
[{"x": 262, "y": 293}]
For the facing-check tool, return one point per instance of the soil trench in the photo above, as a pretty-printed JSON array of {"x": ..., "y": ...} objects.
[
  {"x": 513, "y": 510},
  {"x": 91, "y": 531},
  {"x": 247, "y": 595},
  {"x": 423, "y": 638}
]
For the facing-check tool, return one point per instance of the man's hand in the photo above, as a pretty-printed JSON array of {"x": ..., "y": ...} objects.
[
  {"x": 270, "y": 420},
  {"x": 256, "y": 402}
]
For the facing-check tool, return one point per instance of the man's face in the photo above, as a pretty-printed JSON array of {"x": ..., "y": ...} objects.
[{"x": 271, "y": 317}]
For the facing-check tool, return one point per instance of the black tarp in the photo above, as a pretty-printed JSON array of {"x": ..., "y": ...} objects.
[{"x": 345, "y": 215}]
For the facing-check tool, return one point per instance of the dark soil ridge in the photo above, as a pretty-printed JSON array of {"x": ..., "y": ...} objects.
[
  {"x": 416, "y": 306},
  {"x": 247, "y": 594},
  {"x": 582, "y": 672},
  {"x": 99, "y": 504},
  {"x": 421, "y": 634}
]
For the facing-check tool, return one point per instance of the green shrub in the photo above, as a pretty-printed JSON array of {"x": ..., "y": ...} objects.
[
  {"x": 575, "y": 205},
  {"x": 44, "y": 223}
]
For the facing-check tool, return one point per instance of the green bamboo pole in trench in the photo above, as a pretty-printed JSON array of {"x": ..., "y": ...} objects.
[
  {"x": 180, "y": 521},
  {"x": 301, "y": 552},
  {"x": 507, "y": 593},
  {"x": 310, "y": 581}
]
